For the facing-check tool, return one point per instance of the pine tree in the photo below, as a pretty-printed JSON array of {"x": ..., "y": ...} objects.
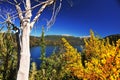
[
  {"x": 43, "y": 46},
  {"x": 7, "y": 56}
]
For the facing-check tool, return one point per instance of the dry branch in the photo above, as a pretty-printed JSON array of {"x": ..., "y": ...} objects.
[{"x": 48, "y": 2}]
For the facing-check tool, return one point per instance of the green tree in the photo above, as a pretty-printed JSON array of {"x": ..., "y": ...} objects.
[
  {"x": 43, "y": 46},
  {"x": 8, "y": 56}
]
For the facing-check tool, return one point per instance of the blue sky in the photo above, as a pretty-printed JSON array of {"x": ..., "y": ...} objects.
[{"x": 102, "y": 16}]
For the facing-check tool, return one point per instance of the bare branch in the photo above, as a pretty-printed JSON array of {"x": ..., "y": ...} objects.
[
  {"x": 8, "y": 18},
  {"x": 10, "y": 2},
  {"x": 19, "y": 11},
  {"x": 15, "y": 1},
  {"x": 2, "y": 22},
  {"x": 70, "y": 2},
  {"x": 24, "y": 3},
  {"x": 14, "y": 17},
  {"x": 41, "y": 3},
  {"x": 38, "y": 14},
  {"x": 7, "y": 1},
  {"x": 48, "y": 2},
  {"x": 2, "y": 17},
  {"x": 2, "y": 27},
  {"x": 4, "y": 12},
  {"x": 28, "y": 13},
  {"x": 31, "y": 8},
  {"x": 54, "y": 14}
]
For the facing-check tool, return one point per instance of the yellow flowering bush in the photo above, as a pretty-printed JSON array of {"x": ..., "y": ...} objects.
[
  {"x": 102, "y": 60},
  {"x": 73, "y": 60}
]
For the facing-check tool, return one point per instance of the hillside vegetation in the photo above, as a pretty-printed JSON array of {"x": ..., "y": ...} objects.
[
  {"x": 56, "y": 40},
  {"x": 113, "y": 38},
  {"x": 99, "y": 60}
]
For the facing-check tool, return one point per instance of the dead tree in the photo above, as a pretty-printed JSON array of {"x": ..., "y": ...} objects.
[{"x": 26, "y": 25}]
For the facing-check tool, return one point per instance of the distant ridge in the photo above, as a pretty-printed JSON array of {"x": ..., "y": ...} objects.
[
  {"x": 53, "y": 40},
  {"x": 113, "y": 38},
  {"x": 114, "y": 35}
]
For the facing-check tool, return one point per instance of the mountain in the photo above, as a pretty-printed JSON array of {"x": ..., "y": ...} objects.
[
  {"x": 56, "y": 40},
  {"x": 113, "y": 38},
  {"x": 53, "y": 40}
]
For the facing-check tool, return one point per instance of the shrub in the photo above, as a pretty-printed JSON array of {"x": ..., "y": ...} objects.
[{"x": 101, "y": 62}]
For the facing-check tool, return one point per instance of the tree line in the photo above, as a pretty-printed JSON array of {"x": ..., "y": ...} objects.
[
  {"x": 55, "y": 40},
  {"x": 96, "y": 61}
]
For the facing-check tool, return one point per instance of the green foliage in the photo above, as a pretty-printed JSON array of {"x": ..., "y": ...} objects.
[
  {"x": 113, "y": 38},
  {"x": 100, "y": 60},
  {"x": 51, "y": 68},
  {"x": 55, "y": 40},
  {"x": 34, "y": 41},
  {"x": 42, "y": 45},
  {"x": 8, "y": 56},
  {"x": 33, "y": 72}
]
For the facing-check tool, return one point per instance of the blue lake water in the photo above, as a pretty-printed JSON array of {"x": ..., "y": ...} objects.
[{"x": 36, "y": 52}]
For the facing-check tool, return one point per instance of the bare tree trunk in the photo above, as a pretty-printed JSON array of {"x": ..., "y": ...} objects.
[
  {"x": 23, "y": 72},
  {"x": 26, "y": 24}
]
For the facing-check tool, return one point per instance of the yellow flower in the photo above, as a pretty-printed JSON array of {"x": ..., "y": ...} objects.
[
  {"x": 112, "y": 78},
  {"x": 114, "y": 69},
  {"x": 103, "y": 61}
]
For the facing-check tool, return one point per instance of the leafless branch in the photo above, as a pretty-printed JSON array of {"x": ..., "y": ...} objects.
[
  {"x": 41, "y": 3},
  {"x": 2, "y": 17},
  {"x": 24, "y": 3},
  {"x": 48, "y": 2},
  {"x": 54, "y": 14},
  {"x": 2, "y": 27},
  {"x": 70, "y": 2},
  {"x": 2, "y": 22},
  {"x": 14, "y": 17},
  {"x": 22, "y": 12},
  {"x": 4, "y": 14},
  {"x": 28, "y": 13},
  {"x": 10, "y": 2},
  {"x": 38, "y": 14},
  {"x": 15, "y": 1},
  {"x": 7, "y": 1},
  {"x": 19, "y": 10}
]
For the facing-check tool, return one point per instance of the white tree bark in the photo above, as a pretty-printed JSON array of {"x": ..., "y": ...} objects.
[
  {"x": 26, "y": 25},
  {"x": 23, "y": 72}
]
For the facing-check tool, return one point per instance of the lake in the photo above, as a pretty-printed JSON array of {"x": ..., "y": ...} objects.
[{"x": 36, "y": 52}]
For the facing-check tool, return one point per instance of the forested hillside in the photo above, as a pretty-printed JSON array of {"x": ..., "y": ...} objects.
[
  {"x": 95, "y": 62},
  {"x": 56, "y": 40},
  {"x": 113, "y": 38},
  {"x": 75, "y": 41}
]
